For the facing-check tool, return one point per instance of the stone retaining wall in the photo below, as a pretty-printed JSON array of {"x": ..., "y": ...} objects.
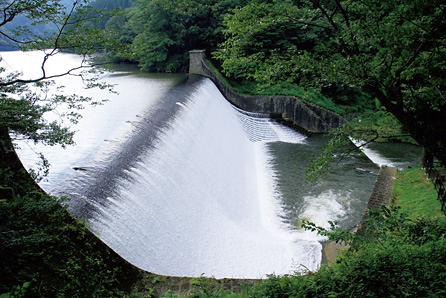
[
  {"x": 381, "y": 193},
  {"x": 305, "y": 116},
  {"x": 162, "y": 286}
]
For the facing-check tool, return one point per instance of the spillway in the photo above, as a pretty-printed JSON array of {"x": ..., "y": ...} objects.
[
  {"x": 199, "y": 197},
  {"x": 179, "y": 182}
]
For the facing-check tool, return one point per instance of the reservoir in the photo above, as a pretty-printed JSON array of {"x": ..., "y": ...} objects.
[{"x": 179, "y": 182}]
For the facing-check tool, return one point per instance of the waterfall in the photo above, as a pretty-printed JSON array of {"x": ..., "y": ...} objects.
[
  {"x": 201, "y": 199},
  {"x": 179, "y": 182},
  {"x": 175, "y": 179}
]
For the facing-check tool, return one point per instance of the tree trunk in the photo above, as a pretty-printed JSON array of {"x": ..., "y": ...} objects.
[
  {"x": 12, "y": 172},
  {"x": 426, "y": 126}
]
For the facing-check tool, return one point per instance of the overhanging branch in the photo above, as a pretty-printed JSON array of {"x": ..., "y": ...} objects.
[{"x": 43, "y": 78}]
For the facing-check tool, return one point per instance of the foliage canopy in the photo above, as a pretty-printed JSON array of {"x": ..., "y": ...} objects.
[
  {"x": 54, "y": 255},
  {"x": 394, "y": 50},
  {"x": 162, "y": 32}
]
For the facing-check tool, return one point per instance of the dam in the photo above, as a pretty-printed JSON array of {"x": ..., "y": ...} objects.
[
  {"x": 206, "y": 183},
  {"x": 180, "y": 182}
]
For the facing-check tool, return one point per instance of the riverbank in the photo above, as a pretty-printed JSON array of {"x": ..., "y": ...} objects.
[
  {"x": 415, "y": 194},
  {"x": 409, "y": 189}
]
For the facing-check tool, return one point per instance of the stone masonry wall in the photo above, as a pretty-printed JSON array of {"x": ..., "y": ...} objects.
[
  {"x": 381, "y": 193},
  {"x": 306, "y": 116}
]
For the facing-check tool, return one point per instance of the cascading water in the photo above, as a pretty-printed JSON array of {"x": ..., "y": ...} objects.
[
  {"x": 399, "y": 155},
  {"x": 179, "y": 182},
  {"x": 201, "y": 199}
]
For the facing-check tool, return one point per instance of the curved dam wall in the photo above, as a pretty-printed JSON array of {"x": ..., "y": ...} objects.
[{"x": 305, "y": 116}]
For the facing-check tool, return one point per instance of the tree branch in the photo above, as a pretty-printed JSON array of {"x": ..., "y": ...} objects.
[
  {"x": 7, "y": 17},
  {"x": 54, "y": 51},
  {"x": 417, "y": 52},
  {"x": 56, "y": 42},
  {"x": 295, "y": 20},
  {"x": 13, "y": 39},
  {"x": 325, "y": 13},
  {"x": 69, "y": 72}
]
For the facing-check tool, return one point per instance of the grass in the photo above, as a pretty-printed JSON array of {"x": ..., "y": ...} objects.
[{"x": 415, "y": 194}]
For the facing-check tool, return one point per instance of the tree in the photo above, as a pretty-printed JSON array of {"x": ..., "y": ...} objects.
[
  {"x": 43, "y": 250},
  {"x": 23, "y": 102},
  {"x": 54, "y": 255},
  {"x": 110, "y": 5},
  {"x": 261, "y": 35},
  {"x": 393, "y": 256},
  {"x": 394, "y": 50},
  {"x": 162, "y": 32}
]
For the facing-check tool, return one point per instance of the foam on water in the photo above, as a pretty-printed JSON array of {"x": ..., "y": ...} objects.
[{"x": 329, "y": 206}]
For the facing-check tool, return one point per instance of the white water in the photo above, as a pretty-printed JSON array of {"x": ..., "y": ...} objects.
[
  {"x": 202, "y": 199},
  {"x": 203, "y": 202},
  {"x": 325, "y": 207},
  {"x": 374, "y": 156}
]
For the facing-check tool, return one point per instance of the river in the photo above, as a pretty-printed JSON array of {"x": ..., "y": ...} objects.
[{"x": 179, "y": 182}]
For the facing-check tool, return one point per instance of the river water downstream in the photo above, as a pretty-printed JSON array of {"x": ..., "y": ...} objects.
[{"x": 179, "y": 182}]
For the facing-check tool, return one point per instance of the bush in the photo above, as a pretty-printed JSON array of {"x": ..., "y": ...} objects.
[
  {"x": 395, "y": 257},
  {"x": 43, "y": 248}
]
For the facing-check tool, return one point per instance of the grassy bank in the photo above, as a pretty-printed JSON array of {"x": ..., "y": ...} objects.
[{"x": 415, "y": 194}]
